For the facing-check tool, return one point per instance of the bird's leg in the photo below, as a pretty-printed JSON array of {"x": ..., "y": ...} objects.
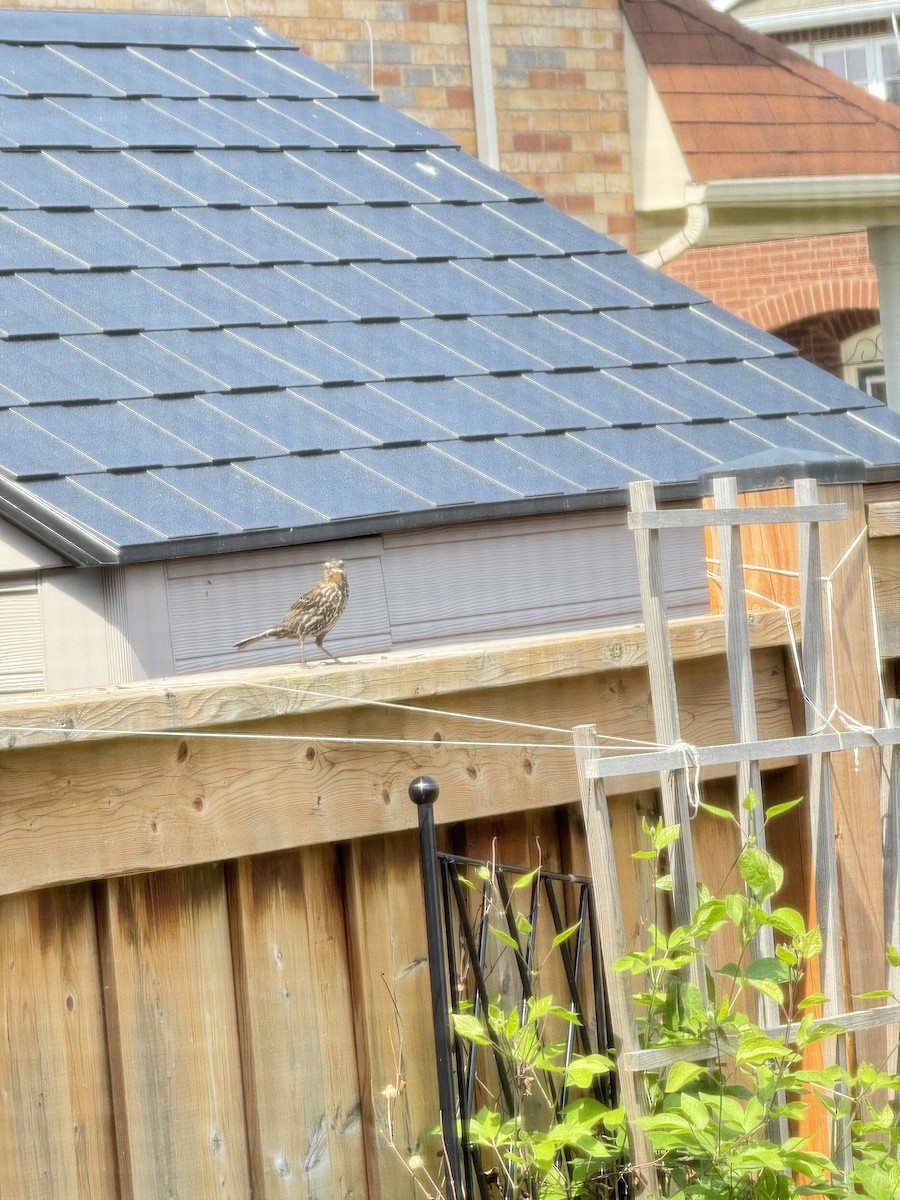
[
  {"x": 320, "y": 642},
  {"x": 302, "y": 655}
]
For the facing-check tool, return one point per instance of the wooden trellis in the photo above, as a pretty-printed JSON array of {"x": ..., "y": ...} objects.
[{"x": 678, "y": 765}]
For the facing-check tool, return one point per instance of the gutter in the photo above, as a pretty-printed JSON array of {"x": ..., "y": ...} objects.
[
  {"x": 879, "y": 192},
  {"x": 806, "y": 16}
]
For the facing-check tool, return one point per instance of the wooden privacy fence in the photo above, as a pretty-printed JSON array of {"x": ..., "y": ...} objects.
[
  {"x": 212, "y": 948},
  {"x": 830, "y": 728}
]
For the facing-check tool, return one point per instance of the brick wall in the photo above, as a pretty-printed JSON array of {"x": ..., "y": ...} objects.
[
  {"x": 776, "y": 283},
  {"x": 812, "y": 291},
  {"x": 559, "y": 80}
]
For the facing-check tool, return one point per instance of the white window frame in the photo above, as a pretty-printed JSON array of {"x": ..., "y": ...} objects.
[{"x": 877, "y": 84}]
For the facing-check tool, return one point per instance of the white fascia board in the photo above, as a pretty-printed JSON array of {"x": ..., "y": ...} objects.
[
  {"x": 818, "y": 16},
  {"x": 864, "y": 192}
]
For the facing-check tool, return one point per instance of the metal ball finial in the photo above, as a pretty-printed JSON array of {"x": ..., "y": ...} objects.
[{"x": 424, "y": 790}]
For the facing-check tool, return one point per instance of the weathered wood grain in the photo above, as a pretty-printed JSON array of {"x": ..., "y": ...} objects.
[
  {"x": 86, "y": 811},
  {"x": 56, "y": 1138},
  {"x": 856, "y": 776},
  {"x": 883, "y": 518},
  {"x": 389, "y": 968},
  {"x": 173, "y": 1039},
  {"x": 297, "y": 1030},
  {"x": 660, "y": 666},
  {"x": 416, "y": 677},
  {"x": 602, "y": 856},
  {"x": 884, "y": 557}
]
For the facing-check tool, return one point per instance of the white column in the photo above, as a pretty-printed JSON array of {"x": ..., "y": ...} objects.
[{"x": 884, "y": 251}]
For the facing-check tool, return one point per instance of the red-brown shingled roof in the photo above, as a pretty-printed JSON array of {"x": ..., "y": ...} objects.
[{"x": 744, "y": 106}]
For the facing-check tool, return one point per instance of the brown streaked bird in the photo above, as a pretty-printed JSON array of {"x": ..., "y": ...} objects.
[{"x": 314, "y": 614}]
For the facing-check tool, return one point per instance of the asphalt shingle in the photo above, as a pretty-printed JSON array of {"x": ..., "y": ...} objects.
[{"x": 243, "y": 302}]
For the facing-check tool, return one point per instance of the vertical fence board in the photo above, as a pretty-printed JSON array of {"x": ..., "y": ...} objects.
[
  {"x": 173, "y": 1036},
  {"x": 642, "y": 904},
  {"x": 56, "y": 1139},
  {"x": 857, "y": 777},
  {"x": 297, "y": 1036},
  {"x": 389, "y": 967}
]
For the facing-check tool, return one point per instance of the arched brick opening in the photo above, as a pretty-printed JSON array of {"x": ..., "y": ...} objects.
[
  {"x": 819, "y": 298},
  {"x": 819, "y": 336}
]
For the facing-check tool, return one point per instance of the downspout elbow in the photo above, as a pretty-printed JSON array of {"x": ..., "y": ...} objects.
[{"x": 687, "y": 237}]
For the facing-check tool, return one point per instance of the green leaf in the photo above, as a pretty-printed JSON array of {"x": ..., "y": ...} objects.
[
  {"x": 789, "y": 921},
  {"x": 581, "y": 1071},
  {"x": 695, "y": 1110},
  {"x": 876, "y": 1181},
  {"x": 778, "y": 810},
  {"x": 565, "y": 935},
  {"x": 483, "y": 873},
  {"x": 525, "y": 881},
  {"x": 506, "y": 938},
  {"x": 681, "y": 1074},
  {"x": 767, "y": 968},
  {"x": 722, "y": 813},
  {"x": 663, "y": 883},
  {"x": 768, "y": 988},
  {"x": 760, "y": 872},
  {"x": 880, "y": 994},
  {"x": 470, "y": 1028},
  {"x": 893, "y": 956},
  {"x": 523, "y": 924},
  {"x": 750, "y": 801},
  {"x": 664, "y": 835},
  {"x": 810, "y": 944},
  {"x": 812, "y": 1000}
]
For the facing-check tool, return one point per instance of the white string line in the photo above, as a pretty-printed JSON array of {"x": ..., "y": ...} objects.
[
  {"x": 441, "y": 712},
  {"x": 417, "y": 708},
  {"x": 435, "y": 743},
  {"x": 92, "y": 732},
  {"x": 785, "y": 609},
  {"x": 828, "y": 582}
]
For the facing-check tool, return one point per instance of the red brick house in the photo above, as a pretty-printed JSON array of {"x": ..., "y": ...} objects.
[{"x": 755, "y": 125}]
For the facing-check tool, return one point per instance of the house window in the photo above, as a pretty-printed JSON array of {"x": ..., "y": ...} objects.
[
  {"x": 862, "y": 359},
  {"x": 872, "y": 63},
  {"x": 871, "y": 380}
]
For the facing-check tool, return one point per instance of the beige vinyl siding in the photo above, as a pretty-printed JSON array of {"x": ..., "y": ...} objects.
[
  {"x": 487, "y": 579},
  {"x": 21, "y": 636}
]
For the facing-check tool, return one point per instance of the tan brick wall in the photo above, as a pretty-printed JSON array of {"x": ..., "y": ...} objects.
[{"x": 559, "y": 80}]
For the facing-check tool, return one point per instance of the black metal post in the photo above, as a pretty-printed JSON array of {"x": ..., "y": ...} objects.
[{"x": 423, "y": 792}]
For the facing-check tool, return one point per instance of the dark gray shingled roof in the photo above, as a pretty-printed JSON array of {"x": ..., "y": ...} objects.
[{"x": 243, "y": 303}]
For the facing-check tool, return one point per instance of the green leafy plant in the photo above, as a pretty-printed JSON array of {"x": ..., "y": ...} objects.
[{"x": 720, "y": 1109}]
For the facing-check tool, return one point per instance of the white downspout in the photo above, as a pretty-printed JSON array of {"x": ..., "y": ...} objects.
[
  {"x": 483, "y": 83},
  {"x": 688, "y": 236}
]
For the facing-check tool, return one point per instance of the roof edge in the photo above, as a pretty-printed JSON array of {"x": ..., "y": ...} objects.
[{"x": 807, "y": 16}]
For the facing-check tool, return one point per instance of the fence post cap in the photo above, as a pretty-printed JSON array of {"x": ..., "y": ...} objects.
[{"x": 424, "y": 790}]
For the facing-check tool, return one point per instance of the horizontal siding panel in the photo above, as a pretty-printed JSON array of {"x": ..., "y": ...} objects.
[
  {"x": 565, "y": 578},
  {"x": 21, "y": 637},
  {"x": 488, "y": 579},
  {"x": 211, "y": 610}
]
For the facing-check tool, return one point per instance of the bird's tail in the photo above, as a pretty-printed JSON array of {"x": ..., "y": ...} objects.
[{"x": 257, "y": 637}]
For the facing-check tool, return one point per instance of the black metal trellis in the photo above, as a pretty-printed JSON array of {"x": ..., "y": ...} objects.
[{"x": 457, "y": 911}]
